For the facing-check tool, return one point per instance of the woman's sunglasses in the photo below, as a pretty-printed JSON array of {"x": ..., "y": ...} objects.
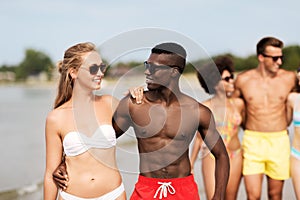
[
  {"x": 93, "y": 69},
  {"x": 227, "y": 78}
]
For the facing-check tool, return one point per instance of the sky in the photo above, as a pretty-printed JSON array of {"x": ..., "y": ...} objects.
[{"x": 214, "y": 26}]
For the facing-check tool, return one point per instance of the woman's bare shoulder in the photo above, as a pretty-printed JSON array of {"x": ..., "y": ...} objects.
[{"x": 107, "y": 100}]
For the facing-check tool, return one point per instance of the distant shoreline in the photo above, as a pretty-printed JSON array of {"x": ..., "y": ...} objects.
[{"x": 54, "y": 83}]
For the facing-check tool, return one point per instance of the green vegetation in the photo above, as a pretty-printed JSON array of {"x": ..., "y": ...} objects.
[
  {"x": 37, "y": 62},
  {"x": 34, "y": 63},
  {"x": 291, "y": 57}
]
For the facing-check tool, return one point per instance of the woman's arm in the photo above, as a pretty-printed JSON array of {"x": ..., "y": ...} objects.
[
  {"x": 53, "y": 155},
  {"x": 195, "y": 150}
]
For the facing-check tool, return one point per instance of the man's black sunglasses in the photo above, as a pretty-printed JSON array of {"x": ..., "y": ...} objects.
[
  {"x": 154, "y": 68},
  {"x": 275, "y": 58}
]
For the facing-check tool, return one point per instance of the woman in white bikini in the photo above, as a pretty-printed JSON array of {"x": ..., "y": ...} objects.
[
  {"x": 80, "y": 126},
  {"x": 229, "y": 113},
  {"x": 294, "y": 112}
]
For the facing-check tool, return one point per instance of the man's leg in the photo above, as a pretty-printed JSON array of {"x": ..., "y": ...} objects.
[
  {"x": 275, "y": 188},
  {"x": 253, "y": 184},
  {"x": 278, "y": 163},
  {"x": 253, "y": 163}
]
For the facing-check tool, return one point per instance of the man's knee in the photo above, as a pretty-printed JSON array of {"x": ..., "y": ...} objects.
[
  {"x": 253, "y": 194},
  {"x": 275, "y": 188},
  {"x": 253, "y": 185},
  {"x": 274, "y": 193}
]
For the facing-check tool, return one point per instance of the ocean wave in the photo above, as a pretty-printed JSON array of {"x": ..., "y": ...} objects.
[{"x": 32, "y": 192}]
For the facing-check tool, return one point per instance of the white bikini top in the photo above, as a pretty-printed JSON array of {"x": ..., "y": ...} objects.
[{"x": 76, "y": 143}]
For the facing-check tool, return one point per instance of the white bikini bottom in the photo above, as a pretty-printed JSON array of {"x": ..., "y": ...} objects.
[{"x": 108, "y": 196}]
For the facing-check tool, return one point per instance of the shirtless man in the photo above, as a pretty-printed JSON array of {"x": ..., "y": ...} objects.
[
  {"x": 165, "y": 124},
  {"x": 266, "y": 143}
]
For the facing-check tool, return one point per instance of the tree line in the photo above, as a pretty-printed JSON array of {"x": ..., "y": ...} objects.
[
  {"x": 36, "y": 62},
  {"x": 291, "y": 60}
]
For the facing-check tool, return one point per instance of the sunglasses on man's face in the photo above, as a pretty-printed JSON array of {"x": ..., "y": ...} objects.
[
  {"x": 93, "y": 69},
  {"x": 152, "y": 68},
  {"x": 227, "y": 78},
  {"x": 275, "y": 58}
]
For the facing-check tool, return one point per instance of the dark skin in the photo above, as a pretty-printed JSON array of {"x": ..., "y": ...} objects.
[{"x": 166, "y": 131}]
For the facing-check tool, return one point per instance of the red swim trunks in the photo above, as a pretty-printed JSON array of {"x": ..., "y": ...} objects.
[{"x": 173, "y": 189}]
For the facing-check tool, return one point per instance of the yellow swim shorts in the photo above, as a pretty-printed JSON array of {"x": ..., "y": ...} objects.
[{"x": 266, "y": 153}]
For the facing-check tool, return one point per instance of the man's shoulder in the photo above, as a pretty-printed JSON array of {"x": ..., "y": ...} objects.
[
  {"x": 285, "y": 72},
  {"x": 246, "y": 73},
  {"x": 126, "y": 98},
  {"x": 129, "y": 101},
  {"x": 287, "y": 76},
  {"x": 189, "y": 100},
  {"x": 245, "y": 76}
]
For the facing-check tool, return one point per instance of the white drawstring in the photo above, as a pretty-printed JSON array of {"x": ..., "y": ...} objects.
[{"x": 164, "y": 189}]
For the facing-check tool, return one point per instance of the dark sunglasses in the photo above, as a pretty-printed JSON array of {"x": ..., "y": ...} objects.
[
  {"x": 275, "y": 58},
  {"x": 154, "y": 68},
  {"x": 93, "y": 69},
  {"x": 227, "y": 78}
]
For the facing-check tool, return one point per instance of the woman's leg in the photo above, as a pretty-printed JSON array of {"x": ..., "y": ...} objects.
[
  {"x": 208, "y": 172},
  {"x": 236, "y": 162},
  {"x": 295, "y": 172}
]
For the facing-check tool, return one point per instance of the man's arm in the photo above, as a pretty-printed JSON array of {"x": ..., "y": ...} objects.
[
  {"x": 291, "y": 98},
  {"x": 237, "y": 87},
  {"x": 240, "y": 106},
  {"x": 214, "y": 142},
  {"x": 289, "y": 106},
  {"x": 121, "y": 120},
  {"x": 60, "y": 175}
]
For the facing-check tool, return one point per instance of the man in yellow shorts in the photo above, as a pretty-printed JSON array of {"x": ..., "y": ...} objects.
[
  {"x": 266, "y": 153},
  {"x": 266, "y": 147}
]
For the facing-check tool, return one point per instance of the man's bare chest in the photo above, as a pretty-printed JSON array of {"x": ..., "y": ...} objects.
[
  {"x": 160, "y": 121},
  {"x": 267, "y": 95}
]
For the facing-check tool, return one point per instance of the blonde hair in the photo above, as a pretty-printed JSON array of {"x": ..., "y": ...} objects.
[{"x": 73, "y": 59}]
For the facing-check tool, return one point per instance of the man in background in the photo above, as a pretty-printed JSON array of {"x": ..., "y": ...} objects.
[{"x": 266, "y": 147}]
